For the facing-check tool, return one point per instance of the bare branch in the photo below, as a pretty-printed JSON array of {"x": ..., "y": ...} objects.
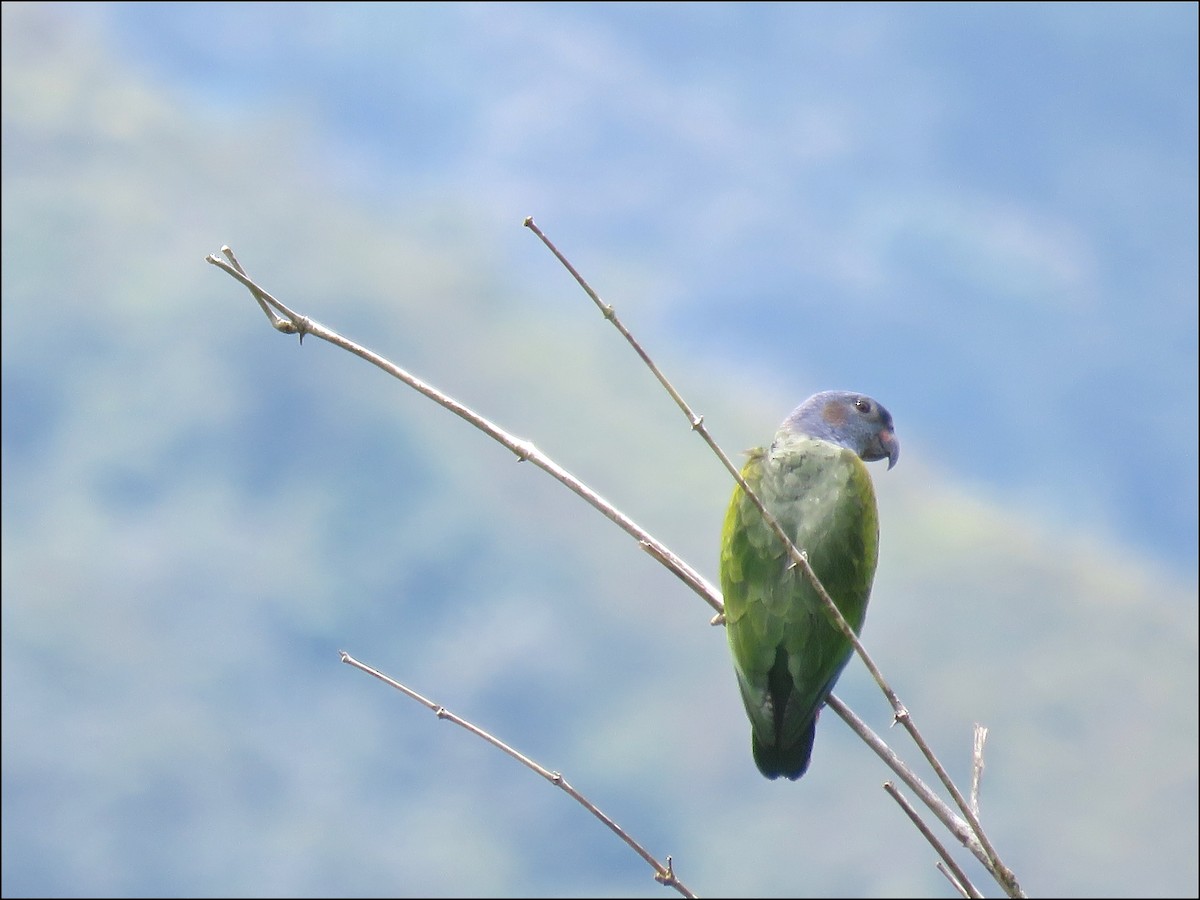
[
  {"x": 798, "y": 555},
  {"x": 663, "y": 874},
  {"x": 524, "y": 450},
  {"x": 288, "y": 325},
  {"x": 950, "y": 878},
  {"x": 1003, "y": 875},
  {"x": 955, "y": 824},
  {"x": 959, "y": 879}
]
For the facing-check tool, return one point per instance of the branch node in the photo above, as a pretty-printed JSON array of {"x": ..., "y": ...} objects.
[{"x": 667, "y": 876}]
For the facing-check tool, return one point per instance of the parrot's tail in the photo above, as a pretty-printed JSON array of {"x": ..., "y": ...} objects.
[
  {"x": 788, "y": 751},
  {"x": 790, "y": 761}
]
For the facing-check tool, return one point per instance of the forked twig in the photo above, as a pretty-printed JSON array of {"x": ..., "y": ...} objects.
[
  {"x": 957, "y": 876},
  {"x": 955, "y": 824},
  {"x": 663, "y": 873}
]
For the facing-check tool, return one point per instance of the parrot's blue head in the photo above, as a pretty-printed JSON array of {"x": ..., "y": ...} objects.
[{"x": 850, "y": 420}]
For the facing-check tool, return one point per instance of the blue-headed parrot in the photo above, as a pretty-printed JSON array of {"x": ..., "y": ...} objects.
[{"x": 787, "y": 654}]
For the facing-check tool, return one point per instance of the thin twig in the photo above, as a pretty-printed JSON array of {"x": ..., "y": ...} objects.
[
  {"x": 798, "y": 555},
  {"x": 663, "y": 873},
  {"x": 962, "y": 892},
  {"x": 524, "y": 450},
  {"x": 1002, "y": 873},
  {"x": 955, "y": 824},
  {"x": 977, "y": 765},
  {"x": 278, "y": 322},
  {"x": 960, "y": 880}
]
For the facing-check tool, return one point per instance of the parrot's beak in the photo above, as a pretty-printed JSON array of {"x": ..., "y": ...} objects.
[
  {"x": 883, "y": 445},
  {"x": 890, "y": 446}
]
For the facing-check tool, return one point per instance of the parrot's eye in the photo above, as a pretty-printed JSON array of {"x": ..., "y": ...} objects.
[{"x": 863, "y": 405}]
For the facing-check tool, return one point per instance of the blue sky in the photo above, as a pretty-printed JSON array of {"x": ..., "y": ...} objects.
[{"x": 983, "y": 215}]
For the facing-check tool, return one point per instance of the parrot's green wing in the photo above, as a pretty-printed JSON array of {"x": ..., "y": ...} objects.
[{"x": 787, "y": 654}]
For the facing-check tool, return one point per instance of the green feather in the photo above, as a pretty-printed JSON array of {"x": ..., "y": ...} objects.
[{"x": 786, "y": 652}]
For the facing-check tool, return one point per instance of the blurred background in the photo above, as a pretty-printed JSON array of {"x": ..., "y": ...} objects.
[{"x": 983, "y": 215}]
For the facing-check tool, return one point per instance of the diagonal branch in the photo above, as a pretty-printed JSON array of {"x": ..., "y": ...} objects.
[
  {"x": 991, "y": 859},
  {"x": 955, "y": 824},
  {"x": 956, "y": 875},
  {"x": 663, "y": 874},
  {"x": 294, "y": 323}
]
